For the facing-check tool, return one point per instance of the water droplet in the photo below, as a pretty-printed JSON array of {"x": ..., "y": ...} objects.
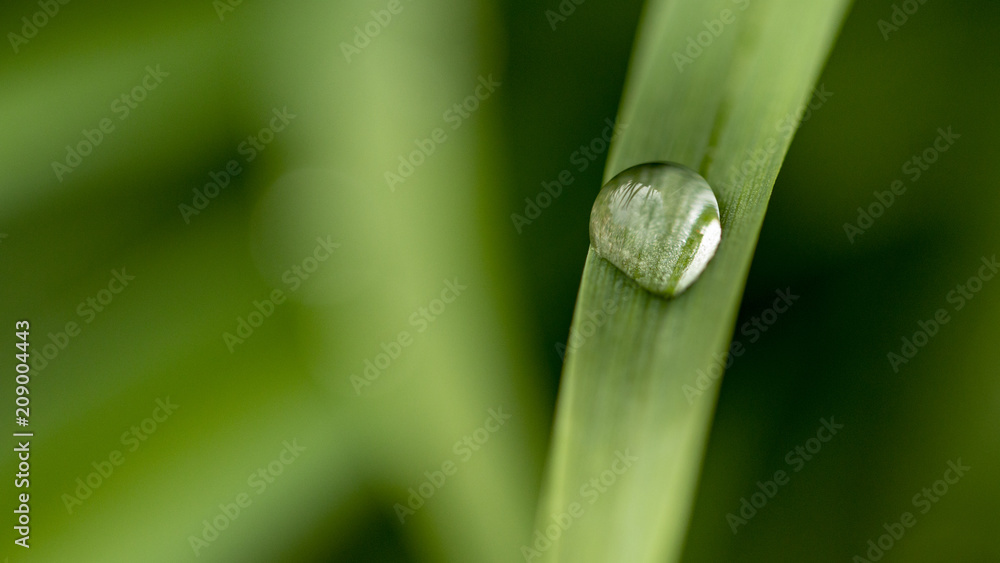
[{"x": 658, "y": 223}]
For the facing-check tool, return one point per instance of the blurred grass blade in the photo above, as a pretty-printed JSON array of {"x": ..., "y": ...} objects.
[{"x": 628, "y": 442}]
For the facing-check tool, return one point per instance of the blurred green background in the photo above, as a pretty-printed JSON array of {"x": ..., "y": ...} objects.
[{"x": 296, "y": 387}]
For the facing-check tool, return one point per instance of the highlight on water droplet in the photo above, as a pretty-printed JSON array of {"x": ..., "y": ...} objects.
[{"x": 659, "y": 223}]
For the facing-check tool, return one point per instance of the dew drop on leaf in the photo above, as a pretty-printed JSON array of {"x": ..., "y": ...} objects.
[{"x": 659, "y": 223}]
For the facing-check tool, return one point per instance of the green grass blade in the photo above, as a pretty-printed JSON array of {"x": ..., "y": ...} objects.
[{"x": 728, "y": 111}]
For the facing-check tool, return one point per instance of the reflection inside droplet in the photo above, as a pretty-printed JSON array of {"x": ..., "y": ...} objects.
[{"x": 658, "y": 223}]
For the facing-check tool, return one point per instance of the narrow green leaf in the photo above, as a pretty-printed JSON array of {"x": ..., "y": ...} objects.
[{"x": 716, "y": 86}]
